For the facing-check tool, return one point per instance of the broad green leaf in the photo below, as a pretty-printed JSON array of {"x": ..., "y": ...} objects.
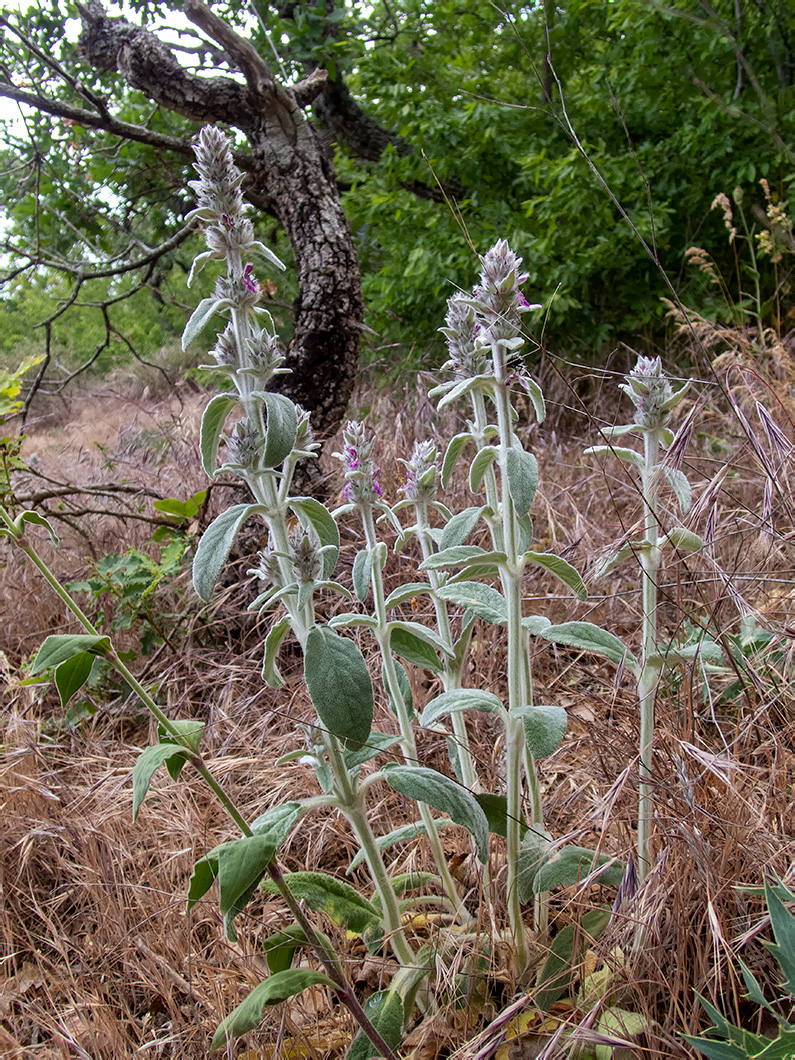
[
  {"x": 362, "y": 571},
  {"x": 522, "y": 479},
  {"x": 454, "y": 450},
  {"x": 532, "y": 855},
  {"x": 147, "y": 762},
  {"x": 281, "y": 947},
  {"x": 707, "y": 649},
  {"x": 585, "y": 636},
  {"x": 280, "y": 428},
  {"x": 437, "y": 790},
  {"x": 416, "y": 644},
  {"x": 273, "y": 641},
  {"x": 241, "y": 865},
  {"x": 404, "y": 593},
  {"x": 620, "y": 430},
  {"x": 781, "y": 1048},
  {"x": 59, "y": 647},
  {"x": 352, "y": 618},
  {"x": 562, "y": 570},
  {"x": 544, "y": 728},
  {"x": 536, "y": 624},
  {"x": 336, "y": 899},
  {"x": 399, "y": 835},
  {"x": 199, "y": 319},
  {"x": 477, "y": 469},
  {"x": 460, "y": 699},
  {"x": 71, "y": 675},
  {"x": 312, "y": 513},
  {"x": 339, "y": 685},
  {"x": 482, "y": 600},
  {"x": 460, "y": 527},
  {"x": 495, "y": 808},
  {"x": 215, "y": 546},
  {"x": 556, "y": 973},
  {"x": 212, "y": 424},
  {"x": 384, "y": 1009},
  {"x": 279, "y": 987},
  {"x": 376, "y": 743},
  {"x": 457, "y": 556},
  {"x": 629, "y": 456},
  {"x": 278, "y": 820},
  {"x": 568, "y": 866}
]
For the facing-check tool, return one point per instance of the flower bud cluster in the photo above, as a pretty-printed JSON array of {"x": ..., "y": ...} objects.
[
  {"x": 362, "y": 487},
  {"x": 468, "y": 357},
  {"x": 220, "y": 200},
  {"x": 651, "y": 393},
  {"x": 421, "y": 472},
  {"x": 243, "y": 446},
  {"x": 305, "y": 554}
]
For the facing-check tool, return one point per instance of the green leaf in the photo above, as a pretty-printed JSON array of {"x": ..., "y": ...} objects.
[
  {"x": 72, "y": 674},
  {"x": 339, "y": 685},
  {"x": 454, "y": 450},
  {"x": 532, "y": 855},
  {"x": 336, "y": 899},
  {"x": 629, "y": 456},
  {"x": 200, "y": 318},
  {"x": 148, "y": 761},
  {"x": 477, "y": 469},
  {"x": 376, "y": 743},
  {"x": 783, "y": 923},
  {"x": 460, "y": 527},
  {"x": 522, "y": 479},
  {"x": 37, "y": 520},
  {"x": 453, "y": 557},
  {"x": 544, "y": 728},
  {"x": 405, "y": 689},
  {"x": 426, "y": 785},
  {"x": 562, "y": 570},
  {"x": 215, "y": 546},
  {"x": 460, "y": 699},
  {"x": 567, "y": 866},
  {"x": 59, "y": 648},
  {"x": 212, "y": 424},
  {"x": 537, "y": 397},
  {"x": 495, "y": 808},
  {"x": 384, "y": 1009},
  {"x": 418, "y": 650},
  {"x": 279, "y": 987},
  {"x": 312, "y": 513},
  {"x": 273, "y": 641},
  {"x": 404, "y": 593},
  {"x": 716, "y": 1050},
  {"x": 278, "y": 820},
  {"x": 362, "y": 572},
  {"x": 536, "y": 624},
  {"x": 680, "y": 486},
  {"x": 482, "y": 600},
  {"x": 683, "y": 540},
  {"x": 781, "y": 1048},
  {"x": 280, "y": 948},
  {"x": 400, "y": 835},
  {"x": 280, "y": 428},
  {"x": 585, "y": 636}
]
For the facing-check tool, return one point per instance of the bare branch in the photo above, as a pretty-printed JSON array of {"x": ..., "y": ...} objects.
[{"x": 242, "y": 53}]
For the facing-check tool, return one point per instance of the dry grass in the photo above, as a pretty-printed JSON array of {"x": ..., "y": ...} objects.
[{"x": 97, "y": 955}]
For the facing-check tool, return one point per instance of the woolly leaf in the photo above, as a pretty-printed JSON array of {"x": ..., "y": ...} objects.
[
  {"x": 454, "y": 450},
  {"x": 629, "y": 456},
  {"x": 437, "y": 790},
  {"x": 273, "y": 641},
  {"x": 339, "y": 685},
  {"x": 587, "y": 637},
  {"x": 482, "y": 600},
  {"x": 522, "y": 479},
  {"x": 337, "y": 900},
  {"x": 215, "y": 545},
  {"x": 213, "y": 421},
  {"x": 460, "y": 699},
  {"x": 384, "y": 1009},
  {"x": 568, "y": 866},
  {"x": 544, "y": 728},
  {"x": 199, "y": 319},
  {"x": 460, "y": 527},
  {"x": 362, "y": 570},
  {"x": 278, "y": 987},
  {"x": 477, "y": 469},
  {"x": 376, "y": 743},
  {"x": 312, "y": 513},
  {"x": 399, "y": 835},
  {"x": 280, "y": 428},
  {"x": 562, "y": 570}
]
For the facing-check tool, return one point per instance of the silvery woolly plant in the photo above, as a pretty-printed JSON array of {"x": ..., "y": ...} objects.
[{"x": 654, "y": 398}]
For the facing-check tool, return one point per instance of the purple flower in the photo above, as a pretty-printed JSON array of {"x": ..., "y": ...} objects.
[{"x": 249, "y": 280}]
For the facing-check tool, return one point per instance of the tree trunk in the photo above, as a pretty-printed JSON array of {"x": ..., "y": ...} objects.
[{"x": 290, "y": 172}]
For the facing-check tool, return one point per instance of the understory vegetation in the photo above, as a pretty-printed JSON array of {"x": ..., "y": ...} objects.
[{"x": 515, "y": 773}]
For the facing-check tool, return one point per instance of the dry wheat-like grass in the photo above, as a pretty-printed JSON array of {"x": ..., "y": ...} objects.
[{"x": 97, "y": 955}]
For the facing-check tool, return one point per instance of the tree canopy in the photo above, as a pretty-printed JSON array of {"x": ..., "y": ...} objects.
[{"x": 394, "y": 138}]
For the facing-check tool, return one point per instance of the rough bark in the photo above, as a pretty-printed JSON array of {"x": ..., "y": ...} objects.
[{"x": 290, "y": 172}]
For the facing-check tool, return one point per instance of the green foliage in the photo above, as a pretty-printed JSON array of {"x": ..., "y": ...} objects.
[{"x": 728, "y": 1041}]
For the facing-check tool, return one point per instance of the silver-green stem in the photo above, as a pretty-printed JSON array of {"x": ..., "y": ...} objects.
[
  {"x": 480, "y": 418},
  {"x": 650, "y": 668},
  {"x": 407, "y": 741}
]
